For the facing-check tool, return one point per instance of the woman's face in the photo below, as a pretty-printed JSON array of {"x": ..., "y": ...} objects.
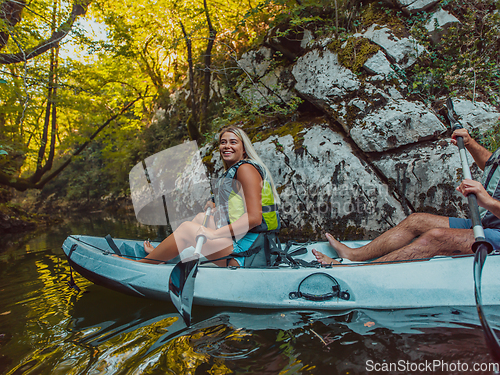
[{"x": 231, "y": 148}]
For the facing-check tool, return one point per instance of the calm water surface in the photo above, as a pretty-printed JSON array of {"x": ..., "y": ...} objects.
[{"x": 48, "y": 328}]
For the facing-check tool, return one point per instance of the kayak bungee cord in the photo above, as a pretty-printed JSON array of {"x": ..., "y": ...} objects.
[{"x": 481, "y": 247}]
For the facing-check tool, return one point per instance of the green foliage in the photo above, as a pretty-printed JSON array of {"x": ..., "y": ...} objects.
[
  {"x": 466, "y": 60},
  {"x": 489, "y": 139},
  {"x": 321, "y": 17}
]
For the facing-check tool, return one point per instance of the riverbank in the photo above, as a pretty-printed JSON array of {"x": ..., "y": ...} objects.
[{"x": 29, "y": 212}]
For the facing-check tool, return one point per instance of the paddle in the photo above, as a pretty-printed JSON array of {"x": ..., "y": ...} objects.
[
  {"x": 182, "y": 278},
  {"x": 481, "y": 247}
]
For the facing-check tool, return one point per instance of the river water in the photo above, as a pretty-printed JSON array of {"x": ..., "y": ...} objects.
[{"x": 48, "y": 328}]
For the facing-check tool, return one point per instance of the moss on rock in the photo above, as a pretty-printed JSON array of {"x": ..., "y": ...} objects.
[{"x": 354, "y": 52}]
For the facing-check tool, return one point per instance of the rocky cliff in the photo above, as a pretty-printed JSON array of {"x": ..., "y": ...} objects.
[{"x": 373, "y": 153}]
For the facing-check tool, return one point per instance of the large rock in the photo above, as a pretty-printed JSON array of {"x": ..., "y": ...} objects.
[
  {"x": 320, "y": 77},
  {"x": 404, "y": 51},
  {"x": 396, "y": 124},
  {"x": 413, "y": 6},
  {"x": 324, "y": 82},
  {"x": 379, "y": 65},
  {"x": 475, "y": 115},
  {"x": 325, "y": 187},
  {"x": 427, "y": 177},
  {"x": 439, "y": 23},
  {"x": 255, "y": 63},
  {"x": 274, "y": 88}
]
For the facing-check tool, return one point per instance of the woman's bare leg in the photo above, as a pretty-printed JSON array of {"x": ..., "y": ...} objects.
[
  {"x": 169, "y": 246},
  {"x": 185, "y": 236}
]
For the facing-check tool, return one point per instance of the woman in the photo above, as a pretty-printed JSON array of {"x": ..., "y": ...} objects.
[{"x": 246, "y": 206}]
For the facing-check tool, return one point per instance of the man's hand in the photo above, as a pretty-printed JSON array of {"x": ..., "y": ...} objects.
[
  {"x": 474, "y": 187},
  {"x": 478, "y": 152},
  {"x": 461, "y": 133}
]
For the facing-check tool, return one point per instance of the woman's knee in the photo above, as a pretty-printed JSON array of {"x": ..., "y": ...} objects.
[
  {"x": 186, "y": 230},
  {"x": 199, "y": 218}
]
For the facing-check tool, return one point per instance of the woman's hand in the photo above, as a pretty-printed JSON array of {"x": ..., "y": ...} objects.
[
  {"x": 208, "y": 233},
  {"x": 210, "y": 204},
  {"x": 474, "y": 187}
]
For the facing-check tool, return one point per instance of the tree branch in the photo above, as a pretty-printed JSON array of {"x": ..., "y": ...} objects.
[
  {"x": 23, "y": 184},
  {"x": 79, "y": 8}
]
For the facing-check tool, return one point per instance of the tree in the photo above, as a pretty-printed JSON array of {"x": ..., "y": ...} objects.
[
  {"x": 66, "y": 90},
  {"x": 11, "y": 13},
  {"x": 181, "y": 39}
]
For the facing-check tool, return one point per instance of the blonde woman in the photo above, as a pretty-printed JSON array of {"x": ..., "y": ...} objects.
[{"x": 246, "y": 204}]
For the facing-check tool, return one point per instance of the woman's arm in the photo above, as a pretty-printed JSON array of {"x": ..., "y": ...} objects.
[{"x": 251, "y": 186}]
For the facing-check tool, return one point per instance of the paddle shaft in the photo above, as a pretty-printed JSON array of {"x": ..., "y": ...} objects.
[
  {"x": 481, "y": 247},
  {"x": 477, "y": 227},
  {"x": 200, "y": 240}
]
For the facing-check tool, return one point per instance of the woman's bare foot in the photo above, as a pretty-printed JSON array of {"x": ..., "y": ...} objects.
[
  {"x": 323, "y": 259},
  {"x": 148, "y": 248},
  {"x": 342, "y": 250}
]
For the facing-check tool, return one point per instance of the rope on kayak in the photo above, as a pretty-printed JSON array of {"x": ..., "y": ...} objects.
[
  {"x": 398, "y": 261},
  {"x": 491, "y": 338}
]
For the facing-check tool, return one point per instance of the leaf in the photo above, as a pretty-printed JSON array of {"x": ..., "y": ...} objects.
[
  {"x": 3, "y": 152},
  {"x": 6, "y": 313}
]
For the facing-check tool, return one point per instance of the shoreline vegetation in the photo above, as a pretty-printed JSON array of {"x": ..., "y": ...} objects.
[
  {"x": 26, "y": 213},
  {"x": 70, "y": 137}
]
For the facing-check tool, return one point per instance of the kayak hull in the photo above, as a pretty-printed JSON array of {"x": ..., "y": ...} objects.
[{"x": 440, "y": 281}]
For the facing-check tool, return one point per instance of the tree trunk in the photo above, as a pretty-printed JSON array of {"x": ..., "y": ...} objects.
[
  {"x": 192, "y": 123},
  {"x": 50, "y": 111},
  {"x": 23, "y": 184},
  {"x": 208, "y": 72}
]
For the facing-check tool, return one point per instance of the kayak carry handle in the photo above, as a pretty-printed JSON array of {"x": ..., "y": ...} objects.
[{"x": 335, "y": 293}]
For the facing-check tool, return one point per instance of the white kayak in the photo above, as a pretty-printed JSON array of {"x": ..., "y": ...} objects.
[{"x": 439, "y": 281}]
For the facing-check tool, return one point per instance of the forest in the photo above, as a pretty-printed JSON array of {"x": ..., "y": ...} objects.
[{"x": 79, "y": 110}]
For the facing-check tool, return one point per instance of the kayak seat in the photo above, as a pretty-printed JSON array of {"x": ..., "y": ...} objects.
[
  {"x": 138, "y": 251},
  {"x": 126, "y": 249}
]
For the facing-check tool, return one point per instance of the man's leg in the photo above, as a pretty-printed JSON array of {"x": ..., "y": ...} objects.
[
  {"x": 392, "y": 240},
  {"x": 439, "y": 241}
]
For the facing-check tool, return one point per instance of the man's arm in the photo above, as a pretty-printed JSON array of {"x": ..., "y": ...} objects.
[
  {"x": 478, "y": 152},
  {"x": 483, "y": 198}
]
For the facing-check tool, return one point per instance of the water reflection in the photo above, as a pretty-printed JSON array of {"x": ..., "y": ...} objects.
[{"x": 48, "y": 328}]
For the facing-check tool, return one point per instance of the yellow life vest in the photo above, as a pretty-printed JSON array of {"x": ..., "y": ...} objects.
[{"x": 231, "y": 205}]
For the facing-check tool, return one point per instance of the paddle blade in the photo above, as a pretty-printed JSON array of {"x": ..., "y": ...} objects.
[{"x": 181, "y": 288}]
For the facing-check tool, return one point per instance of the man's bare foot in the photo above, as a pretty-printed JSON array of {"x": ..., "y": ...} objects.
[
  {"x": 342, "y": 250},
  {"x": 148, "y": 248},
  {"x": 323, "y": 259}
]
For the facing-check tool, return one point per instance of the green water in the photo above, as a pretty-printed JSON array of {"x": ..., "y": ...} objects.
[{"x": 48, "y": 328}]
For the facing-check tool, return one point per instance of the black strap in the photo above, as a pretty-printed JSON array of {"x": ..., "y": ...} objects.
[
  {"x": 71, "y": 283},
  {"x": 494, "y": 162},
  {"x": 269, "y": 208},
  {"x": 112, "y": 245}
]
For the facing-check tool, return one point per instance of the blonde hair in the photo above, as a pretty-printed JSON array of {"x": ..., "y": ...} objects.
[{"x": 252, "y": 155}]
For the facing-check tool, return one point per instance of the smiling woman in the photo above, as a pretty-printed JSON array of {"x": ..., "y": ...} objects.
[{"x": 246, "y": 209}]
